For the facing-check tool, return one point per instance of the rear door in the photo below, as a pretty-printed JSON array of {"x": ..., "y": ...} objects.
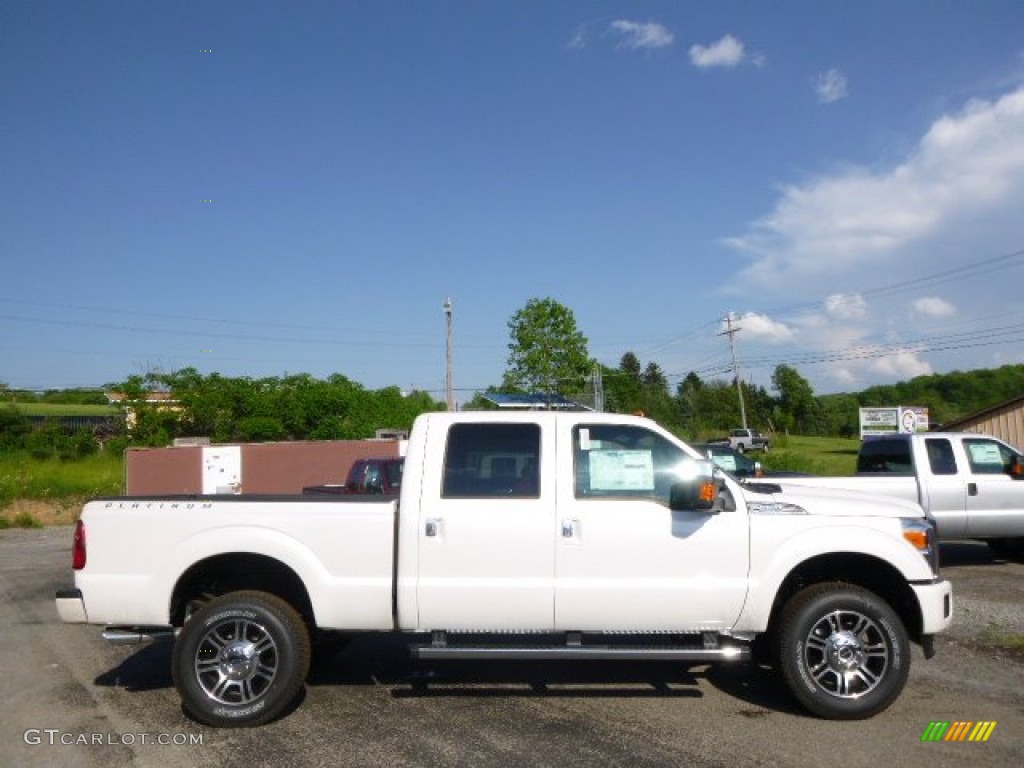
[
  {"x": 943, "y": 479},
  {"x": 486, "y": 529}
]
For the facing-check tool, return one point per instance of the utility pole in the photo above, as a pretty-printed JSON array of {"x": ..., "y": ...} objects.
[
  {"x": 449, "y": 393},
  {"x": 731, "y": 332},
  {"x": 598, "y": 390}
]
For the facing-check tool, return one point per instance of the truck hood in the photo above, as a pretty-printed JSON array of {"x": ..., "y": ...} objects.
[{"x": 825, "y": 501}]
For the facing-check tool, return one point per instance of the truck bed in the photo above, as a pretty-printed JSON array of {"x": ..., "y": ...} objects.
[{"x": 139, "y": 547}]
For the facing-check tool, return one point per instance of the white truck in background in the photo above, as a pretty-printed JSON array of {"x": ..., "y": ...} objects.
[
  {"x": 536, "y": 535},
  {"x": 744, "y": 440},
  {"x": 971, "y": 485}
]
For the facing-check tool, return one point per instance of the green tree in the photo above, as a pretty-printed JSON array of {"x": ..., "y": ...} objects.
[
  {"x": 622, "y": 386},
  {"x": 296, "y": 407},
  {"x": 547, "y": 352},
  {"x": 14, "y": 427},
  {"x": 657, "y": 402},
  {"x": 798, "y": 409},
  {"x": 688, "y": 394}
]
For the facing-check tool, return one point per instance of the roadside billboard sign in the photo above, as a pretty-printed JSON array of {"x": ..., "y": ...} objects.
[{"x": 899, "y": 419}]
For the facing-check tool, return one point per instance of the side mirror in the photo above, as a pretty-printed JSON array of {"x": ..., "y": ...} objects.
[
  {"x": 697, "y": 491},
  {"x": 1017, "y": 468}
]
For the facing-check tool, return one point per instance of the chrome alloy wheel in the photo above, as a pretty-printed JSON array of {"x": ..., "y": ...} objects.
[
  {"x": 236, "y": 661},
  {"x": 847, "y": 654}
]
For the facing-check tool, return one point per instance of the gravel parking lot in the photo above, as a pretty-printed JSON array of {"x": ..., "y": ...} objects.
[{"x": 71, "y": 699}]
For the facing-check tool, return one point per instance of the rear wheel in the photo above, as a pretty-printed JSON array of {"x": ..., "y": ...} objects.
[
  {"x": 241, "y": 659},
  {"x": 844, "y": 653}
]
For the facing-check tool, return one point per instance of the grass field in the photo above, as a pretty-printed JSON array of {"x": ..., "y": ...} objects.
[
  {"x": 814, "y": 455},
  {"x": 50, "y": 491}
]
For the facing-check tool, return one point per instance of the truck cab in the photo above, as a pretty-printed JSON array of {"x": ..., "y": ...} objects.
[
  {"x": 372, "y": 477},
  {"x": 970, "y": 484}
]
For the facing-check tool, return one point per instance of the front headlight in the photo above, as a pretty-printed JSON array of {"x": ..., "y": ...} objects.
[{"x": 921, "y": 536}]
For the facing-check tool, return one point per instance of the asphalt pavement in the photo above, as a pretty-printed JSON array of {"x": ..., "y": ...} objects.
[{"x": 70, "y": 699}]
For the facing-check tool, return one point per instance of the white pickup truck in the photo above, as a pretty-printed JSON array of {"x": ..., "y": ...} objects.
[
  {"x": 531, "y": 535},
  {"x": 744, "y": 440},
  {"x": 971, "y": 485}
]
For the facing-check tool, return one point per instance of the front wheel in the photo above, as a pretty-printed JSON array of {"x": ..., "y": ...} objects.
[
  {"x": 241, "y": 659},
  {"x": 1008, "y": 549},
  {"x": 844, "y": 653}
]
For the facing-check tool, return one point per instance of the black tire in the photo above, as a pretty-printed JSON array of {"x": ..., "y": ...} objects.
[
  {"x": 241, "y": 659},
  {"x": 844, "y": 653},
  {"x": 1007, "y": 549},
  {"x": 740, "y": 449}
]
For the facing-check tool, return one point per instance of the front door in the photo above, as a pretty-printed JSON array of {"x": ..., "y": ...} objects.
[
  {"x": 625, "y": 561},
  {"x": 995, "y": 500}
]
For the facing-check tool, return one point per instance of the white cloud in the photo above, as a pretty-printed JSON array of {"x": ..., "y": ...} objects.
[
  {"x": 901, "y": 366},
  {"x": 844, "y": 377},
  {"x": 579, "y": 38},
  {"x": 967, "y": 163},
  {"x": 933, "y": 307},
  {"x": 830, "y": 86},
  {"x": 640, "y": 35},
  {"x": 727, "y": 52},
  {"x": 846, "y": 307},
  {"x": 763, "y": 328}
]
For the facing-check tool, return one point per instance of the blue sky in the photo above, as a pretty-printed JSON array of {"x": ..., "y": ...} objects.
[{"x": 262, "y": 188}]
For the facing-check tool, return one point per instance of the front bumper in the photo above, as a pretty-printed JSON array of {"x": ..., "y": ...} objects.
[
  {"x": 71, "y": 606},
  {"x": 936, "y": 602}
]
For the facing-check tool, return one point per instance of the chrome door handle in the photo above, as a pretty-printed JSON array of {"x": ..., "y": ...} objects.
[
  {"x": 433, "y": 526},
  {"x": 568, "y": 529}
]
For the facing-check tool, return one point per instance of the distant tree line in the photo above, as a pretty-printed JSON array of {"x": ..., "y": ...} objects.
[
  {"x": 222, "y": 408},
  {"x": 242, "y": 409}
]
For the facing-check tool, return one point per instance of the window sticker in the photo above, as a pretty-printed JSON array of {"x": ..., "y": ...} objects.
[
  {"x": 621, "y": 471},
  {"x": 985, "y": 453},
  {"x": 727, "y": 463},
  {"x": 584, "y": 439}
]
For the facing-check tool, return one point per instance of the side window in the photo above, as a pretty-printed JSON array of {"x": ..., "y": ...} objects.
[
  {"x": 987, "y": 457},
  {"x": 888, "y": 455},
  {"x": 616, "y": 461},
  {"x": 940, "y": 456},
  {"x": 492, "y": 461},
  {"x": 394, "y": 473}
]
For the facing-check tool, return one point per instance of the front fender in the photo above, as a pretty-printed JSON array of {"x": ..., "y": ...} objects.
[{"x": 780, "y": 545}]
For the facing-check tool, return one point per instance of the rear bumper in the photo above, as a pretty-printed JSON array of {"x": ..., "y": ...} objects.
[
  {"x": 936, "y": 601},
  {"x": 71, "y": 606}
]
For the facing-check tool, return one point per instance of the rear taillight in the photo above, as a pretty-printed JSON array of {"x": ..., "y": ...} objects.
[{"x": 78, "y": 547}]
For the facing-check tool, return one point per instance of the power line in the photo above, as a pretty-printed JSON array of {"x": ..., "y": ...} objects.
[{"x": 972, "y": 269}]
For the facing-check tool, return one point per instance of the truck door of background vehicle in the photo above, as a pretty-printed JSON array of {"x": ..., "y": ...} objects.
[
  {"x": 943, "y": 484},
  {"x": 995, "y": 501},
  {"x": 624, "y": 560},
  {"x": 486, "y": 530}
]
